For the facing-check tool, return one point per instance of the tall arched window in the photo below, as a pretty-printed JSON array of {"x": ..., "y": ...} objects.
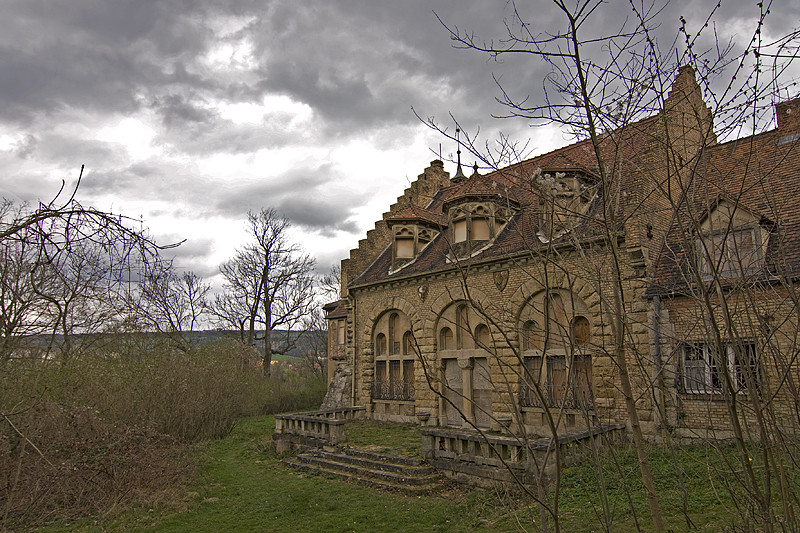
[
  {"x": 393, "y": 377},
  {"x": 407, "y": 348},
  {"x": 558, "y": 354},
  {"x": 380, "y": 344}
]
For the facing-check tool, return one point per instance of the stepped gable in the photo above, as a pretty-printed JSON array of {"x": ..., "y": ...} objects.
[
  {"x": 513, "y": 184},
  {"x": 419, "y": 194},
  {"x": 758, "y": 175}
]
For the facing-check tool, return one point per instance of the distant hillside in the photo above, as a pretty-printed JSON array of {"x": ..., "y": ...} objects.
[{"x": 305, "y": 342}]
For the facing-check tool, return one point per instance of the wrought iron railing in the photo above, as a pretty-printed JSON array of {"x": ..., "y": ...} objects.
[
  {"x": 570, "y": 397},
  {"x": 387, "y": 390}
]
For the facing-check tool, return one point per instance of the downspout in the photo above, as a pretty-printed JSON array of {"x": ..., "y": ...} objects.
[
  {"x": 353, "y": 347},
  {"x": 659, "y": 367}
]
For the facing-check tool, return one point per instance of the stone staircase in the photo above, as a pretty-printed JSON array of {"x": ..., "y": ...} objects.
[{"x": 388, "y": 472}]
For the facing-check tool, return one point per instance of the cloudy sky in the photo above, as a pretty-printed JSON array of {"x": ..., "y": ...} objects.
[{"x": 190, "y": 113}]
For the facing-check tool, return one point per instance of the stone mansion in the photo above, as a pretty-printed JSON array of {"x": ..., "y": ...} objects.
[{"x": 490, "y": 300}]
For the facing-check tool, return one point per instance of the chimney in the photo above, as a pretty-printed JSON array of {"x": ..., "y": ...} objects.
[{"x": 788, "y": 115}]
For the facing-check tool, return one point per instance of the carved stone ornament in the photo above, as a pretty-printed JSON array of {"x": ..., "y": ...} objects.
[
  {"x": 501, "y": 279},
  {"x": 422, "y": 290}
]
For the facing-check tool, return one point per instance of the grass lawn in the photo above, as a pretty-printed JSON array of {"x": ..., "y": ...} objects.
[{"x": 243, "y": 486}]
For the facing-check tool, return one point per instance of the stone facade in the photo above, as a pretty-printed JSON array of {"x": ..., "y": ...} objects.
[{"x": 506, "y": 300}]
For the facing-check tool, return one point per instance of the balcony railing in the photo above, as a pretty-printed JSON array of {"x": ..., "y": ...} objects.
[
  {"x": 387, "y": 390},
  {"x": 570, "y": 397}
]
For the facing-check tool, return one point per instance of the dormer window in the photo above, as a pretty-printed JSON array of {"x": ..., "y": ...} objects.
[
  {"x": 474, "y": 225},
  {"x": 409, "y": 241},
  {"x": 564, "y": 199},
  {"x": 731, "y": 243},
  {"x": 404, "y": 244}
]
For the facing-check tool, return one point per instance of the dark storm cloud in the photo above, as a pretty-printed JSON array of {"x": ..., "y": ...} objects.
[
  {"x": 307, "y": 197},
  {"x": 350, "y": 69}
]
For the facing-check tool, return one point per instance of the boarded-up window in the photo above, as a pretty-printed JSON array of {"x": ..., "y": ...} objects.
[
  {"x": 380, "y": 344},
  {"x": 482, "y": 392},
  {"x": 380, "y": 388},
  {"x": 405, "y": 248},
  {"x": 580, "y": 331},
  {"x": 408, "y": 379},
  {"x": 583, "y": 381},
  {"x": 460, "y": 231},
  {"x": 532, "y": 374},
  {"x": 395, "y": 381},
  {"x": 733, "y": 254},
  {"x": 453, "y": 392},
  {"x": 446, "y": 339},
  {"x": 482, "y": 337},
  {"x": 480, "y": 229},
  {"x": 557, "y": 380}
]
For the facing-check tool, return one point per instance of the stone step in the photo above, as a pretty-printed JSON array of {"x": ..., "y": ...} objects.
[
  {"x": 404, "y": 474},
  {"x": 374, "y": 461}
]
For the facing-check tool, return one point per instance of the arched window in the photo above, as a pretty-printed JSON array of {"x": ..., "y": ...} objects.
[
  {"x": 446, "y": 339},
  {"x": 393, "y": 379},
  {"x": 394, "y": 343},
  {"x": 531, "y": 335},
  {"x": 579, "y": 331},
  {"x": 380, "y": 344},
  {"x": 483, "y": 338},
  {"x": 407, "y": 348}
]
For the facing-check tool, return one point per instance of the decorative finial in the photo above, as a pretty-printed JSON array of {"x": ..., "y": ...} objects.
[{"x": 459, "y": 176}]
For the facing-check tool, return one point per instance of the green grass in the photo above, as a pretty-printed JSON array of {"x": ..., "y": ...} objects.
[
  {"x": 397, "y": 439},
  {"x": 243, "y": 486}
]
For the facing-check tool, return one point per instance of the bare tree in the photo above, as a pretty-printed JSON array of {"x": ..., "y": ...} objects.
[
  {"x": 269, "y": 283},
  {"x": 67, "y": 270},
  {"x": 172, "y": 303}
]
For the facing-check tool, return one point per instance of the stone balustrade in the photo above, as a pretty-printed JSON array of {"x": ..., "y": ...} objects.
[
  {"x": 313, "y": 429},
  {"x": 470, "y": 457}
]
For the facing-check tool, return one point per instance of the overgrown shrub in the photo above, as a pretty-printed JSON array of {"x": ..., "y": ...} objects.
[{"x": 78, "y": 437}]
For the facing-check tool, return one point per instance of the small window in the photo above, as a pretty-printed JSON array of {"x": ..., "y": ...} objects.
[
  {"x": 407, "y": 347},
  {"x": 482, "y": 337},
  {"x": 531, "y": 335},
  {"x": 405, "y": 248},
  {"x": 460, "y": 230},
  {"x": 480, "y": 229},
  {"x": 446, "y": 339},
  {"x": 380, "y": 344},
  {"x": 580, "y": 331},
  {"x": 340, "y": 330}
]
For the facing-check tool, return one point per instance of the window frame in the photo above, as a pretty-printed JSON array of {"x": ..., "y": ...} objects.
[
  {"x": 710, "y": 382},
  {"x": 711, "y": 245}
]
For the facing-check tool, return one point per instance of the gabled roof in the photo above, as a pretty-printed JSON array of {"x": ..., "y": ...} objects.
[{"x": 758, "y": 174}]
